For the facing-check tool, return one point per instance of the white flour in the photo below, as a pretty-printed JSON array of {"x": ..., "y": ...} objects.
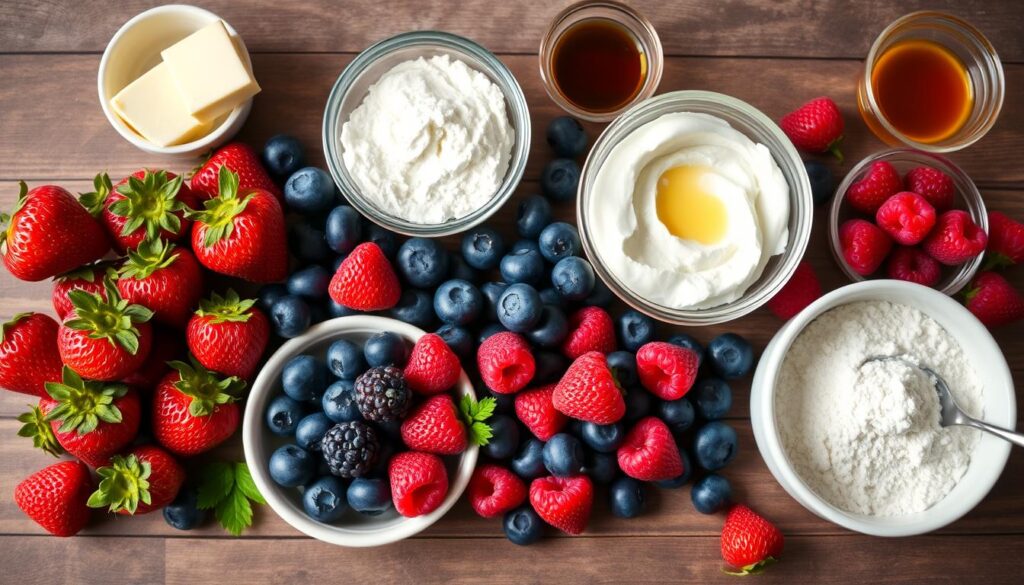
[{"x": 867, "y": 437}]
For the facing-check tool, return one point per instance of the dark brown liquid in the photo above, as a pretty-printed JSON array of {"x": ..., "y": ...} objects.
[{"x": 598, "y": 65}]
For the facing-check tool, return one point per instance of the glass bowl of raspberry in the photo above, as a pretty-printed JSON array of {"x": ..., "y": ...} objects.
[{"x": 909, "y": 215}]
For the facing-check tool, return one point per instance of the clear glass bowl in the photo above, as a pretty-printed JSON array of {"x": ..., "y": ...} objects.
[
  {"x": 352, "y": 86},
  {"x": 954, "y": 278},
  {"x": 758, "y": 127}
]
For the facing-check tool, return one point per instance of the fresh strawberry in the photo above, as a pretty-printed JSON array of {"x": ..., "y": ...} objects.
[
  {"x": 913, "y": 265},
  {"x": 36, "y": 427},
  {"x": 432, "y": 367},
  {"x": 1005, "y": 241},
  {"x": 419, "y": 483},
  {"x": 907, "y": 217},
  {"x": 590, "y": 329},
  {"x": 749, "y": 542},
  {"x": 563, "y": 502},
  {"x": 228, "y": 335},
  {"x": 816, "y": 126},
  {"x": 88, "y": 278},
  {"x": 667, "y": 370},
  {"x": 955, "y": 239},
  {"x": 864, "y": 245},
  {"x": 994, "y": 301},
  {"x": 649, "y": 452},
  {"x": 802, "y": 289},
  {"x": 241, "y": 233},
  {"x": 91, "y": 420},
  {"x": 588, "y": 391},
  {"x": 365, "y": 280},
  {"x": 434, "y": 427},
  {"x": 167, "y": 346},
  {"x": 49, "y": 233},
  {"x": 932, "y": 184},
  {"x": 29, "y": 357},
  {"x": 144, "y": 479},
  {"x": 54, "y": 497},
  {"x": 194, "y": 410},
  {"x": 243, "y": 161},
  {"x": 881, "y": 182},
  {"x": 494, "y": 490},
  {"x": 163, "y": 278},
  {"x": 536, "y": 410},
  {"x": 505, "y": 362},
  {"x": 144, "y": 205}
]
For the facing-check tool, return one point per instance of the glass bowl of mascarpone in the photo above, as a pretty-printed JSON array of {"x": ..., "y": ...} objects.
[
  {"x": 426, "y": 133},
  {"x": 694, "y": 208}
]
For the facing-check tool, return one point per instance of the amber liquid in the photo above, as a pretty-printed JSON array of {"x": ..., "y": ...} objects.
[
  {"x": 923, "y": 90},
  {"x": 598, "y": 65}
]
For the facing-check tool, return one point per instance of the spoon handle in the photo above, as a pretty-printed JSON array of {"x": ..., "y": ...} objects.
[{"x": 1011, "y": 436}]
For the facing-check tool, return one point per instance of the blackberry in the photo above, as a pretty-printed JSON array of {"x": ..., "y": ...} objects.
[
  {"x": 350, "y": 449},
  {"x": 381, "y": 394}
]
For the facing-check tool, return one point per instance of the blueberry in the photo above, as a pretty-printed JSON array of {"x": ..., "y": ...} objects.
[
  {"x": 324, "y": 500},
  {"x": 564, "y": 455},
  {"x": 490, "y": 330},
  {"x": 688, "y": 342},
  {"x": 526, "y": 266},
  {"x": 603, "y": 438},
  {"x": 386, "y": 349},
  {"x": 371, "y": 497},
  {"x": 344, "y": 229},
  {"x": 458, "y": 302},
  {"x": 182, "y": 513},
  {"x": 523, "y": 526},
  {"x": 317, "y": 313},
  {"x": 549, "y": 366},
  {"x": 503, "y": 403},
  {"x": 339, "y": 310},
  {"x": 339, "y": 402},
  {"x": 626, "y": 497},
  {"x": 283, "y": 415},
  {"x": 551, "y": 329},
  {"x": 623, "y": 367},
  {"x": 529, "y": 460},
  {"x": 711, "y": 494},
  {"x": 310, "y": 282},
  {"x": 459, "y": 339},
  {"x": 532, "y": 216},
  {"x": 601, "y": 467},
  {"x": 309, "y": 191},
  {"x": 423, "y": 263},
  {"x": 491, "y": 292},
  {"x": 520, "y": 245},
  {"x": 505, "y": 437},
  {"x": 713, "y": 398},
  {"x": 573, "y": 278},
  {"x": 639, "y": 404},
  {"x": 731, "y": 356},
  {"x": 345, "y": 359},
  {"x": 303, "y": 378},
  {"x": 559, "y": 179},
  {"x": 308, "y": 243},
  {"x": 482, "y": 248},
  {"x": 519, "y": 308},
  {"x": 567, "y": 137},
  {"x": 269, "y": 294},
  {"x": 635, "y": 329},
  {"x": 680, "y": 480},
  {"x": 823, "y": 183},
  {"x": 415, "y": 307},
  {"x": 559, "y": 240},
  {"x": 311, "y": 430},
  {"x": 282, "y": 156},
  {"x": 715, "y": 445},
  {"x": 550, "y": 296},
  {"x": 292, "y": 466},
  {"x": 678, "y": 414},
  {"x": 291, "y": 316},
  {"x": 601, "y": 297},
  {"x": 386, "y": 240},
  {"x": 459, "y": 270}
]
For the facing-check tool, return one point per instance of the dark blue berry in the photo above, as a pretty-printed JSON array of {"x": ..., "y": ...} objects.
[
  {"x": 345, "y": 359},
  {"x": 492, "y": 292},
  {"x": 529, "y": 460},
  {"x": 603, "y": 438},
  {"x": 183, "y": 513},
  {"x": 559, "y": 240},
  {"x": 711, "y": 494},
  {"x": 601, "y": 467},
  {"x": 304, "y": 378},
  {"x": 520, "y": 245},
  {"x": 415, "y": 307},
  {"x": 715, "y": 445},
  {"x": 601, "y": 297},
  {"x": 324, "y": 500},
  {"x": 311, "y": 430},
  {"x": 634, "y": 329},
  {"x": 386, "y": 240},
  {"x": 532, "y": 216},
  {"x": 282, "y": 156},
  {"x": 344, "y": 229},
  {"x": 627, "y": 498},
  {"x": 339, "y": 402},
  {"x": 823, "y": 183},
  {"x": 459, "y": 339},
  {"x": 423, "y": 263},
  {"x": 731, "y": 356},
  {"x": 283, "y": 415},
  {"x": 623, "y": 367},
  {"x": 310, "y": 282},
  {"x": 309, "y": 191},
  {"x": 519, "y": 308},
  {"x": 458, "y": 302},
  {"x": 308, "y": 243},
  {"x": 489, "y": 330},
  {"x": 371, "y": 497},
  {"x": 483, "y": 248},
  {"x": 292, "y": 466},
  {"x": 505, "y": 437},
  {"x": 551, "y": 329},
  {"x": 549, "y": 367},
  {"x": 559, "y": 179},
  {"x": 639, "y": 403},
  {"x": 712, "y": 397},
  {"x": 526, "y": 266},
  {"x": 566, "y": 137},
  {"x": 564, "y": 455},
  {"x": 291, "y": 316},
  {"x": 678, "y": 414},
  {"x": 386, "y": 349},
  {"x": 550, "y": 296},
  {"x": 523, "y": 526},
  {"x": 459, "y": 270},
  {"x": 338, "y": 310},
  {"x": 269, "y": 294},
  {"x": 573, "y": 278}
]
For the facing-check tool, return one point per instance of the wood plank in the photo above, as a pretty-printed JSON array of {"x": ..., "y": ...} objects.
[
  {"x": 830, "y": 28},
  {"x": 79, "y": 142},
  {"x": 45, "y": 559}
]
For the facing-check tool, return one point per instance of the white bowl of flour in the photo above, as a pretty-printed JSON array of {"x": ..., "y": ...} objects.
[{"x": 859, "y": 444}]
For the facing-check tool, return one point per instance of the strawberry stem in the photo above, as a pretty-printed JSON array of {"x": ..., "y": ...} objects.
[
  {"x": 226, "y": 308},
  {"x": 123, "y": 484},
  {"x": 37, "y": 427},
  {"x": 81, "y": 405},
  {"x": 834, "y": 148},
  {"x": 150, "y": 256},
  {"x": 111, "y": 318},
  {"x": 218, "y": 214},
  {"x": 206, "y": 389},
  {"x": 150, "y": 202}
]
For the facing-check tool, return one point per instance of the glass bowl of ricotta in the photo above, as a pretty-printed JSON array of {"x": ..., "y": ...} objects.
[
  {"x": 694, "y": 208},
  {"x": 426, "y": 133}
]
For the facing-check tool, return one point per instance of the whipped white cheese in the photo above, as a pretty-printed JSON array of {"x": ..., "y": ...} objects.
[{"x": 431, "y": 141}]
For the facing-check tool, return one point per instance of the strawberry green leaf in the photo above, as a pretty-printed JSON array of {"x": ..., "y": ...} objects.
[
  {"x": 205, "y": 387},
  {"x": 151, "y": 255},
  {"x": 751, "y": 569},
  {"x": 226, "y": 308},
  {"x": 474, "y": 413},
  {"x": 234, "y": 512},
  {"x": 36, "y": 427},
  {"x": 81, "y": 404},
  {"x": 216, "y": 480},
  {"x": 243, "y": 479},
  {"x": 123, "y": 484},
  {"x": 95, "y": 200},
  {"x": 228, "y": 489}
]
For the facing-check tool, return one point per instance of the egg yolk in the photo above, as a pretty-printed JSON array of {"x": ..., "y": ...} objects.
[{"x": 686, "y": 209}]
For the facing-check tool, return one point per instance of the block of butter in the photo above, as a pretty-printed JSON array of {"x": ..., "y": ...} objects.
[
  {"x": 152, "y": 106},
  {"x": 210, "y": 74}
]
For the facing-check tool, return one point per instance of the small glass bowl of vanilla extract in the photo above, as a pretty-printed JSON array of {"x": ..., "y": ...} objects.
[{"x": 598, "y": 58}]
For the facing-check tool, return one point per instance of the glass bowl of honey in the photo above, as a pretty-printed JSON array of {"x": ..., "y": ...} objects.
[
  {"x": 932, "y": 82},
  {"x": 598, "y": 58}
]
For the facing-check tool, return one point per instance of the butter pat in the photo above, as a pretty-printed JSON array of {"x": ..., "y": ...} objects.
[
  {"x": 209, "y": 72},
  {"x": 152, "y": 106}
]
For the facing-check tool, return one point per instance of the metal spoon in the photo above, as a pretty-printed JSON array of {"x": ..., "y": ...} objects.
[{"x": 951, "y": 414}]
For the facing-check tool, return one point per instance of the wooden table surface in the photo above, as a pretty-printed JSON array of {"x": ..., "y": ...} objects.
[{"x": 773, "y": 54}]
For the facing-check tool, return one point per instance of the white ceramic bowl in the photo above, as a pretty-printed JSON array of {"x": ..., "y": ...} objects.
[
  {"x": 990, "y": 454},
  {"x": 354, "y": 530},
  {"x": 135, "y": 49}
]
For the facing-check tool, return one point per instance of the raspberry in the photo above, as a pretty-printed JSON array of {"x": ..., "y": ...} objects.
[
  {"x": 994, "y": 301},
  {"x": 494, "y": 490},
  {"x": 434, "y": 427},
  {"x": 563, "y": 502},
  {"x": 432, "y": 367},
  {"x": 666, "y": 370},
  {"x": 365, "y": 280},
  {"x": 1005, "y": 240},
  {"x": 881, "y": 182},
  {"x": 932, "y": 184},
  {"x": 591, "y": 329},
  {"x": 419, "y": 483},
  {"x": 802, "y": 289},
  {"x": 649, "y": 452},
  {"x": 588, "y": 391},
  {"x": 536, "y": 410},
  {"x": 506, "y": 363},
  {"x": 864, "y": 245},
  {"x": 913, "y": 265},
  {"x": 955, "y": 239},
  {"x": 907, "y": 217}
]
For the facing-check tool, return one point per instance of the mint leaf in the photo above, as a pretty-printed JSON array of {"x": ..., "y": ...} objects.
[
  {"x": 474, "y": 414},
  {"x": 485, "y": 408},
  {"x": 216, "y": 481},
  {"x": 234, "y": 512}
]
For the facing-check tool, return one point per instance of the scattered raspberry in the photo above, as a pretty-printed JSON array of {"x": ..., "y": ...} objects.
[
  {"x": 816, "y": 126},
  {"x": 434, "y": 427},
  {"x": 433, "y": 367},
  {"x": 994, "y": 301},
  {"x": 649, "y": 452},
  {"x": 913, "y": 265},
  {"x": 881, "y": 182},
  {"x": 590, "y": 329},
  {"x": 535, "y": 409},
  {"x": 494, "y": 490},
  {"x": 506, "y": 362},
  {"x": 864, "y": 245},
  {"x": 955, "y": 239},
  {"x": 588, "y": 391},
  {"x": 419, "y": 483},
  {"x": 365, "y": 280},
  {"x": 907, "y": 218},
  {"x": 932, "y": 184},
  {"x": 1005, "y": 241},
  {"x": 802, "y": 289},
  {"x": 667, "y": 370},
  {"x": 563, "y": 502}
]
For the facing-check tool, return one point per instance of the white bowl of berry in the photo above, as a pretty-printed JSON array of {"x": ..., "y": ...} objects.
[{"x": 330, "y": 410}]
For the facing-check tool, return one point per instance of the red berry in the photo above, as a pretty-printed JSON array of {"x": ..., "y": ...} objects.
[
  {"x": 907, "y": 217},
  {"x": 563, "y": 502},
  {"x": 365, "y": 281},
  {"x": 588, "y": 391},
  {"x": 816, "y": 126},
  {"x": 537, "y": 411},
  {"x": 994, "y": 301},
  {"x": 590, "y": 329},
  {"x": 54, "y": 497},
  {"x": 494, "y": 490},
  {"x": 932, "y": 184},
  {"x": 913, "y": 265},
  {"x": 864, "y": 245},
  {"x": 881, "y": 182},
  {"x": 749, "y": 542},
  {"x": 802, "y": 289},
  {"x": 955, "y": 239},
  {"x": 419, "y": 483},
  {"x": 649, "y": 452},
  {"x": 666, "y": 370},
  {"x": 434, "y": 427},
  {"x": 1005, "y": 240},
  {"x": 432, "y": 367},
  {"x": 505, "y": 362}
]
